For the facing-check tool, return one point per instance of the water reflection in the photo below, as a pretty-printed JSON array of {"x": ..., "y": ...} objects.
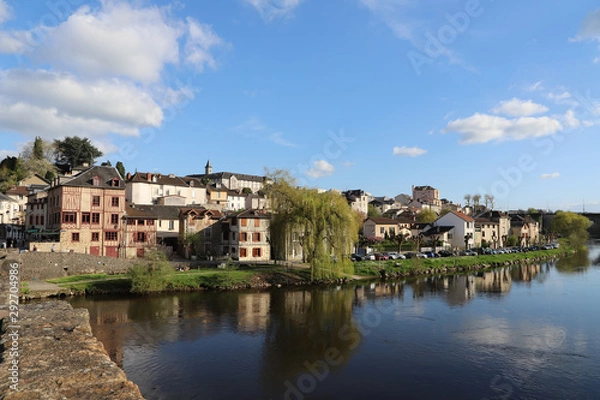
[
  {"x": 578, "y": 263},
  {"x": 268, "y": 341}
]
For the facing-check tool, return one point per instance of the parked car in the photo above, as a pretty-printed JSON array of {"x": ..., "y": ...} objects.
[
  {"x": 547, "y": 247},
  {"x": 430, "y": 254},
  {"x": 413, "y": 254},
  {"x": 468, "y": 253},
  {"x": 355, "y": 257},
  {"x": 445, "y": 253},
  {"x": 381, "y": 256},
  {"x": 392, "y": 255},
  {"x": 369, "y": 257}
]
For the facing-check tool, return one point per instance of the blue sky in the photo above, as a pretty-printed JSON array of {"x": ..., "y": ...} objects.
[{"x": 498, "y": 97}]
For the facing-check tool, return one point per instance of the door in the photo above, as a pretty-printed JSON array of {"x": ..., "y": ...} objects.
[
  {"x": 95, "y": 250},
  {"x": 112, "y": 251}
]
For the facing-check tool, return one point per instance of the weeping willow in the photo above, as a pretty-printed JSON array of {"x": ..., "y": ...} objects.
[{"x": 323, "y": 221}]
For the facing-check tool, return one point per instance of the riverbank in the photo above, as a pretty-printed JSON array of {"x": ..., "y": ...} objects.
[
  {"x": 244, "y": 277},
  {"x": 51, "y": 353}
]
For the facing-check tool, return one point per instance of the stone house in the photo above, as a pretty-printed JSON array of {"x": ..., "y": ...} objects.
[
  {"x": 385, "y": 227},
  {"x": 525, "y": 229},
  {"x": 156, "y": 188},
  {"x": 230, "y": 180},
  {"x": 200, "y": 232},
  {"x": 248, "y": 236},
  {"x": 493, "y": 227}
]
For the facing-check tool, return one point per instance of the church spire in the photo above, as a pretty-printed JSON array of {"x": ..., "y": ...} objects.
[{"x": 208, "y": 168}]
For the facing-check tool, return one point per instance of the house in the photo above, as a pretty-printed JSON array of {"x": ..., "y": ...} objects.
[
  {"x": 358, "y": 200},
  {"x": 385, "y": 228},
  {"x": 36, "y": 214},
  {"x": 236, "y": 200},
  {"x": 230, "y": 180},
  {"x": 167, "y": 223},
  {"x": 86, "y": 211},
  {"x": 382, "y": 204},
  {"x": 438, "y": 236},
  {"x": 200, "y": 232},
  {"x": 525, "y": 229},
  {"x": 256, "y": 202},
  {"x": 139, "y": 232},
  {"x": 19, "y": 195},
  {"x": 156, "y": 188},
  {"x": 493, "y": 227},
  {"x": 216, "y": 196},
  {"x": 248, "y": 236},
  {"x": 9, "y": 210},
  {"x": 463, "y": 234}
]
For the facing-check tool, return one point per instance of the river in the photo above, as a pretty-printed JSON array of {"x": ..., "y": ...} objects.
[{"x": 528, "y": 332}]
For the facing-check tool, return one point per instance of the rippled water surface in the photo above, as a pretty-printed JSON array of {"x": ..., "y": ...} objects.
[{"x": 530, "y": 332}]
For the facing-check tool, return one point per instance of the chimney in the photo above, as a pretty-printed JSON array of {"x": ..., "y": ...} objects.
[
  {"x": 128, "y": 175},
  {"x": 149, "y": 176}
]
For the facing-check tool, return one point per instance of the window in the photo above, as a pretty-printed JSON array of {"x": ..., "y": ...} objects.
[
  {"x": 31, "y": 220},
  {"x": 141, "y": 237},
  {"x": 96, "y": 201},
  {"x": 115, "y": 202},
  {"x": 450, "y": 236},
  {"x": 42, "y": 220},
  {"x": 95, "y": 218},
  {"x": 110, "y": 235},
  {"x": 208, "y": 232},
  {"x": 96, "y": 181},
  {"x": 114, "y": 182},
  {"x": 171, "y": 225},
  {"x": 69, "y": 217},
  {"x": 244, "y": 222},
  {"x": 140, "y": 222},
  {"x": 160, "y": 223},
  {"x": 256, "y": 223},
  {"x": 95, "y": 236},
  {"x": 85, "y": 218},
  {"x": 256, "y": 237},
  {"x": 114, "y": 219},
  {"x": 243, "y": 252},
  {"x": 483, "y": 234},
  {"x": 243, "y": 237},
  {"x": 75, "y": 236},
  {"x": 150, "y": 222},
  {"x": 256, "y": 252},
  {"x": 381, "y": 230},
  {"x": 37, "y": 219}
]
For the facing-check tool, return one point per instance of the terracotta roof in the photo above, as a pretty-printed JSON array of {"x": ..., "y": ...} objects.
[
  {"x": 17, "y": 191},
  {"x": 132, "y": 211},
  {"x": 159, "y": 211},
  {"x": 463, "y": 216}
]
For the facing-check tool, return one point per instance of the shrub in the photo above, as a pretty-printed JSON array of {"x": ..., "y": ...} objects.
[{"x": 151, "y": 274}]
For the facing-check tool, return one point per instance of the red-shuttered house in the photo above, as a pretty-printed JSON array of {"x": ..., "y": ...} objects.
[{"x": 87, "y": 211}]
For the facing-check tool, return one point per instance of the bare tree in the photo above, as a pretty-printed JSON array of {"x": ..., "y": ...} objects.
[
  {"x": 476, "y": 200},
  {"x": 468, "y": 199}
]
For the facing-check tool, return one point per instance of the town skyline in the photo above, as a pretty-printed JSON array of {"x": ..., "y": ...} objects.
[{"x": 470, "y": 97}]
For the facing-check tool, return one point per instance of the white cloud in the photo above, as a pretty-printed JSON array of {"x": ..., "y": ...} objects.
[
  {"x": 103, "y": 71},
  {"x": 590, "y": 27},
  {"x": 273, "y": 9},
  {"x": 409, "y": 151},
  {"x": 252, "y": 124},
  {"x": 117, "y": 39},
  {"x": 558, "y": 97},
  {"x": 519, "y": 108},
  {"x": 5, "y": 12},
  {"x": 201, "y": 41},
  {"x": 348, "y": 164},
  {"x": 278, "y": 138},
  {"x": 553, "y": 175},
  {"x": 320, "y": 169},
  {"x": 535, "y": 86},
  {"x": 570, "y": 121},
  {"x": 483, "y": 128},
  {"x": 596, "y": 60}
]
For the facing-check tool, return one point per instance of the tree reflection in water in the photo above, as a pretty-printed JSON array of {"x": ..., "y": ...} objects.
[{"x": 303, "y": 327}]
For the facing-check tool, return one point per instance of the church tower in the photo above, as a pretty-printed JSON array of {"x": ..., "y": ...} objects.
[{"x": 208, "y": 168}]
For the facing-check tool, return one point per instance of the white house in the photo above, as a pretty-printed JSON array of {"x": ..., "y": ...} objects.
[
  {"x": 463, "y": 234},
  {"x": 155, "y": 188}
]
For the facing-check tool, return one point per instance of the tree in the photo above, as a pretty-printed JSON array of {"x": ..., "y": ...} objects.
[
  {"x": 468, "y": 198},
  {"x": 399, "y": 239},
  {"x": 476, "y": 200},
  {"x": 121, "y": 168},
  {"x": 75, "y": 151},
  {"x": 426, "y": 215},
  {"x": 372, "y": 211},
  {"x": 489, "y": 201},
  {"x": 572, "y": 227},
  {"x": 11, "y": 172},
  {"x": 326, "y": 224},
  {"x": 37, "y": 157},
  {"x": 150, "y": 275}
]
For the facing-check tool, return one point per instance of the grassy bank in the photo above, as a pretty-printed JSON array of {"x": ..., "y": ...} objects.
[
  {"x": 263, "y": 276},
  {"x": 259, "y": 276},
  {"x": 440, "y": 265}
]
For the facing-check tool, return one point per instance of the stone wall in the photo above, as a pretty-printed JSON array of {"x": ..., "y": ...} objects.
[
  {"x": 41, "y": 265},
  {"x": 57, "y": 357}
]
